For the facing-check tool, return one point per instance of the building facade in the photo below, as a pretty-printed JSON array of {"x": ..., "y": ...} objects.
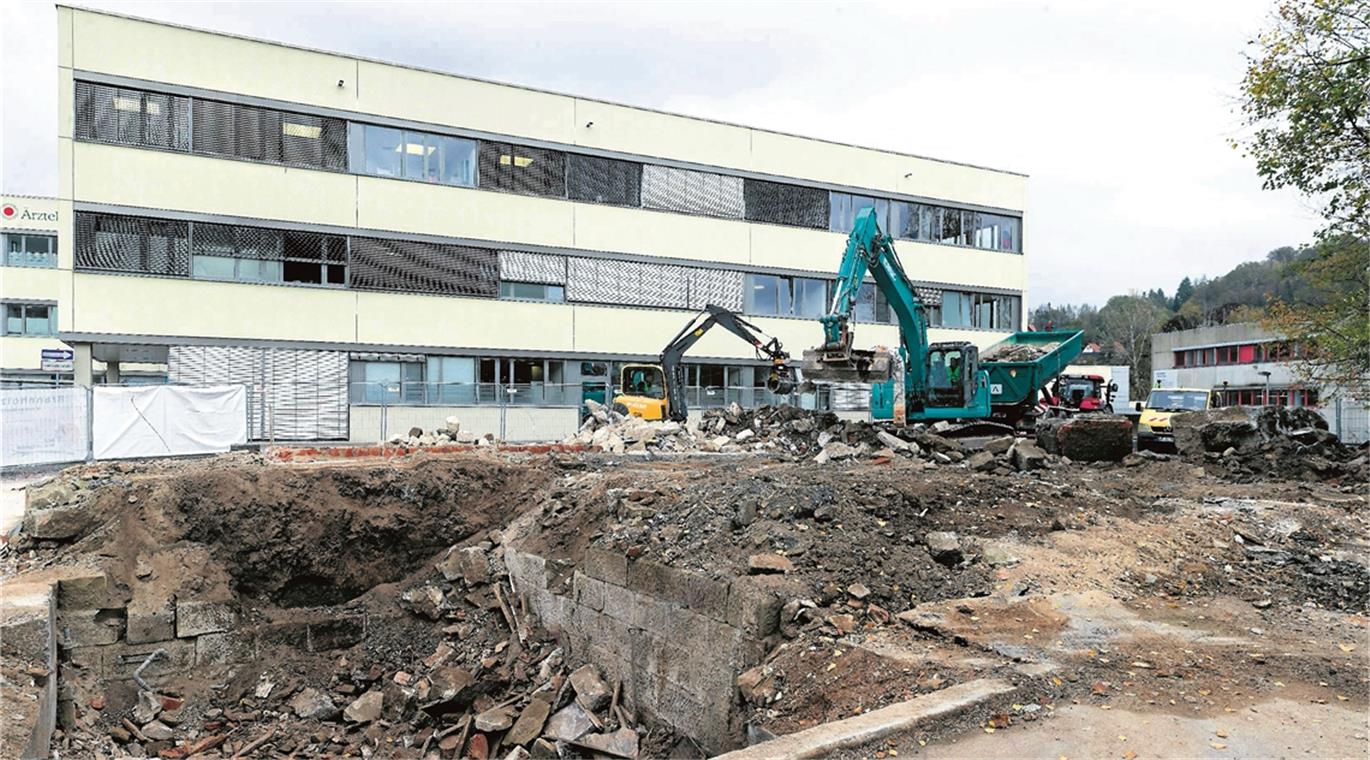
[
  {"x": 1246, "y": 365},
  {"x": 347, "y": 234}
]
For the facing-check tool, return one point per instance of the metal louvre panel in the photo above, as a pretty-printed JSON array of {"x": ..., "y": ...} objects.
[
  {"x": 691, "y": 192},
  {"x": 132, "y": 244},
  {"x": 720, "y": 287},
  {"x": 785, "y": 204},
  {"x": 543, "y": 268},
  {"x": 407, "y": 266},
  {"x": 132, "y": 117},
  {"x": 520, "y": 169},
  {"x": 269, "y": 136},
  {"x": 603, "y": 180},
  {"x": 626, "y": 282}
]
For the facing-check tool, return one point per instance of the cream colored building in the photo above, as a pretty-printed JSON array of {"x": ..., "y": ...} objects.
[{"x": 345, "y": 233}]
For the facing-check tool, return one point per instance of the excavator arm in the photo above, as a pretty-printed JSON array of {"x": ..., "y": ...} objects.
[{"x": 780, "y": 378}]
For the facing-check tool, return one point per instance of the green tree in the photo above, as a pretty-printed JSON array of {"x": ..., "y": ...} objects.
[
  {"x": 1182, "y": 294},
  {"x": 1306, "y": 101},
  {"x": 1125, "y": 326},
  {"x": 1328, "y": 320}
]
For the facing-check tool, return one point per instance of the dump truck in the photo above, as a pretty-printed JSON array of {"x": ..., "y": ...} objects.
[
  {"x": 657, "y": 391},
  {"x": 924, "y": 381}
]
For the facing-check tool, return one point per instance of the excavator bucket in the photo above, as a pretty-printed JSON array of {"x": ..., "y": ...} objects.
[{"x": 846, "y": 366}]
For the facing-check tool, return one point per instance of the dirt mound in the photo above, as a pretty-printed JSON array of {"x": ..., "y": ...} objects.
[{"x": 1254, "y": 443}]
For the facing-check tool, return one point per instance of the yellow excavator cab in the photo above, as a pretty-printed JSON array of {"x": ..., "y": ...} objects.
[{"x": 642, "y": 392}]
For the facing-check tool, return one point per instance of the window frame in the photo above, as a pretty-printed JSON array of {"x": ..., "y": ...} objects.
[
  {"x": 24, "y": 306},
  {"x": 24, "y": 253}
]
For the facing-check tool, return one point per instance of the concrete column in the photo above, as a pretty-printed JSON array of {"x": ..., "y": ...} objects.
[
  {"x": 112, "y": 373},
  {"x": 81, "y": 364}
]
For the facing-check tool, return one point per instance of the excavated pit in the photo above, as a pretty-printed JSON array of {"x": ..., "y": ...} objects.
[{"x": 720, "y": 598}]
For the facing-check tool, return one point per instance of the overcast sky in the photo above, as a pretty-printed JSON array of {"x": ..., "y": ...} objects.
[{"x": 1120, "y": 112}]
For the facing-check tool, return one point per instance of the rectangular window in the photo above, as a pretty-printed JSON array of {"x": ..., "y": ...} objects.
[
  {"x": 844, "y": 208},
  {"x": 603, "y": 180},
  {"x": 386, "y": 382},
  {"x": 532, "y": 291},
  {"x": 387, "y": 152},
  {"x": 767, "y": 295},
  {"x": 268, "y": 135},
  {"x": 810, "y": 297},
  {"x": 31, "y": 319},
  {"x": 521, "y": 169},
  {"x": 956, "y": 309},
  {"x": 132, "y": 117},
  {"x": 451, "y": 380},
  {"x": 23, "y": 250}
]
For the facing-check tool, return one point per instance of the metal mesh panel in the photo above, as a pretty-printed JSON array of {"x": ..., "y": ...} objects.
[
  {"x": 720, "y": 287},
  {"x": 786, "y": 204},
  {"x": 239, "y": 242},
  {"x": 262, "y": 134},
  {"x": 132, "y": 117},
  {"x": 293, "y": 394},
  {"x": 627, "y": 282},
  {"x": 406, "y": 266},
  {"x": 520, "y": 169},
  {"x": 692, "y": 192},
  {"x": 603, "y": 180},
  {"x": 519, "y": 266},
  {"x": 132, "y": 244},
  {"x": 929, "y": 296}
]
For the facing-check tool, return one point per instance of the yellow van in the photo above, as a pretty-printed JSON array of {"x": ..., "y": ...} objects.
[{"x": 1153, "y": 427}]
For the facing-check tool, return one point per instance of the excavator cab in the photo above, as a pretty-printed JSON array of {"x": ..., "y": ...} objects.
[
  {"x": 951, "y": 372},
  {"x": 643, "y": 392}
]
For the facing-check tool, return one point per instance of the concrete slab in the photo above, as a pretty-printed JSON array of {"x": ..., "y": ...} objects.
[{"x": 825, "y": 739}]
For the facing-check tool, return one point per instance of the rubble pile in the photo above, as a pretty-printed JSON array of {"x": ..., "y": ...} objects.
[
  {"x": 1272, "y": 441},
  {"x": 494, "y": 685},
  {"x": 1018, "y": 352},
  {"x": 450, "y": 433}
]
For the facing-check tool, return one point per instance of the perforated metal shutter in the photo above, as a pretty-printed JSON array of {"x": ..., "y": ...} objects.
[
  {"x": 132, "y": 117},
  {"x": 292, "y": 394},
  {"x": 270, "y": 136},
  {"x": 720, "y": 287},
  {"x": 117, "y": 243},
  {"x": 691, "y": 192},
  {"x": 520, "y": 266},
  {"x": 786, "y": 204},
  {"x": 603, "y": 180},
  {"x": 929, "y": 296},
  {"x": 627, "y": 282},
  {"x": 520, "y": 169},
  {"x": 412, "y": 267}
]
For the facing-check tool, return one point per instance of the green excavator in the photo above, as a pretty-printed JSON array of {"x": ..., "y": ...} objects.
[{"x": 924, "y": 381}]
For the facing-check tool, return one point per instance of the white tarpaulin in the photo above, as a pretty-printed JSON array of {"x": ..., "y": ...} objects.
[
  {"x": 167, "y": 420},
  {"x": 42, "y": 425}
]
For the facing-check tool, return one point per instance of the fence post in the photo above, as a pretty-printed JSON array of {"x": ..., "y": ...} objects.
[{"x": 90, "y": 422}]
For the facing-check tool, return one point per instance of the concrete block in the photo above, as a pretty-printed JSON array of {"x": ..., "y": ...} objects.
[
  {"x": 28, "y": 621},
  {"x": 92, "y": 659},
  {"x": 198, "y": 617},
  {"x": 753, "y": 608},
  {"x": 622, "y": 604},
  {"x": 59, "y": 523},
  {"x": 293, "y": 634},
  {"x": 588, "y": 591},
  {"x": 147, "y": 623},
  {"x": 83, "y": 628},
  {"x": 646, "y": 576},
  {"x": 336, "y": 633},
  {"x": 225, "y": 648},
  {"x": 94, "y": 591},
  {"x": 528, "y": 570},
  {"x": 52, "y": 493},
  {"x": 692, "y": 590},
  {"x": 607, "y": 565}
]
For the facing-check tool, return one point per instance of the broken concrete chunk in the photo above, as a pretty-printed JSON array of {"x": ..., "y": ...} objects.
[
  {"x": 1027, "y": 455},
  {"x": 366, "y": 708},
  {"x": 996, "y": 554},
  {"x": 158, "y": 731},
  {"x": 58, "y": 523},
  {"x": 744, "y": 435},
  {"x": 530, "y": 722},
  {"x": 982, "y": 461},
  {"x": 451, "y": 685},
  {"x": 424, "y": 601},
  {"x": 858, "y": 591},
  {"x": 312, "y": 704},
  {"x": 944, "y": 546},
  {"x": 756, "y": 687},
  {"x": 196, "y": 617},
  {"x": 53, "y": 493},
  {"x": 997, "y": 446},
  {"x": 892, "y": 441},
  {"x": 621, "y": 743},
  {"x": 591, "y": 691},
  {"x": 494, "y": 719},
  {"x": 148, "y": 708},
  {"x": 568, "y": 724},
  {"x": 768, "y": 563}
]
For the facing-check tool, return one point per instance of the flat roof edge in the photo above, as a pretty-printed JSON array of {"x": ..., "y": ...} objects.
[{"x": 425, "y": 69}]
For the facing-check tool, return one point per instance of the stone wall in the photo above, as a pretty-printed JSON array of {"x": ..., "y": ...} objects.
[{"x": 676, "y": 640}]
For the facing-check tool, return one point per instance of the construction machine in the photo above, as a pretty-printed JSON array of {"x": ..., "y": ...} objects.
[
  {"x": 1082, "y": 393},
  {"x": 657, "y": 391},
  {"x": 927, "y": 381}
]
